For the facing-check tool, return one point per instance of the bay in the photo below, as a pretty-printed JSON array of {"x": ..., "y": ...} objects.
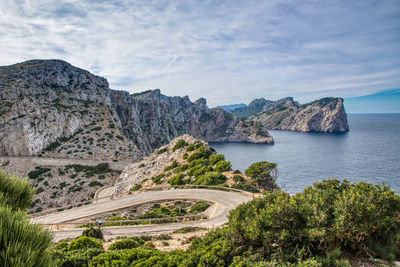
[{"x": 370, "y": 152}]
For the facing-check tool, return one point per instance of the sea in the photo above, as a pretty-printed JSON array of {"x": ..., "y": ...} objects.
[{"x": 369, "y": 151}]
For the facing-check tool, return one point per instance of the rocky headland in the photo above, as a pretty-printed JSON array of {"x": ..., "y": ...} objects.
[{"x": 323, "y": 115}]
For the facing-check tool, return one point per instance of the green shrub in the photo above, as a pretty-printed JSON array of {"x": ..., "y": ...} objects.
[
  {"x": 142, "y": 165},
  {"x": 211, "y": 178},
  {"x": 173, "y": 165},
  {"x": 136, "y": 187},
  {"x": 37, "y": 172},
  {"x": 190, "y": 148},
  {"x": 95, "y": 183},
  {"x": 215, "y": 158},
  {"x": 177, "y": 180},
  {"x": 52, "y": 146},
  {"x": 93, "y": 232},
  {"x": 78, "y": 257},
  {"x": 120, "y": 137},
  {"x": 222, "y": 166},
  {"x": 15, "y": 192},
  {"x": 199, "y": 207},
  {"x": 39, "y": 190},
  {"x": 84, "y": 242},
  {"x": 95, "y": 129},
  {"x": 201, "y": 153},
  {"x": 158, "y": 179},
  {"x": 127, "y": 243},
  {"x": 22, "y": 243},
  {"x": 327, "y": 216},
  {"x": 333, "y": 258},
  {"x": 238, "y": 179},
  {"x": 162, "y": 150},
  {"x": 180, "y": 144},
  {"x": 197, "y": 171},
  {"x": 245, "y": 187},
  {"x": 181, "y": 168}
]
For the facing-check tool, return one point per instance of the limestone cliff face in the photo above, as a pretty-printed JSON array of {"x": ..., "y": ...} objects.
[
  {"x": 50, "y": 108},
  {"x": 324, "y": 115},
  {"x": 152, "y": 119}
]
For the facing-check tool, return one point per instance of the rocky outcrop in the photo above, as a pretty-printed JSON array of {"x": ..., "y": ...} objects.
[
  {"x": 324, "y": 115},
  {"x": 50, "y": 108}
]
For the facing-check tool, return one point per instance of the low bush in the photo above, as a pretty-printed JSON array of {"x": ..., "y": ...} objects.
[
  {"x": 15, "y": 192},
  {"x": 245, "y": 187},
  {"x": 94, "y": 232},
  {"x": 199, "y": 207},
  {"x": 162, "y": 150},
  {"x": 173, "y": 165},
  {"x": 215, "y": 158},
  {"x": 52, "y": 146},
  {"x": 238, "y": 178},
  {"x": 201, "y": 153},
  {"x": 180, "y": 144},
  {"x": 177, "y": 180},
  {"x": 210, "y": 178},
  {"x": 190, "y": 148},
  {"x": 181, "y": 168},
  {"x": 95, "y": 183},
  {"x": 136, "y": 187},
  {"x": 37, "y": 172},
  {"x": 84, "y": 242},
  {"x": 158, "y": 179},
  {"x": 222, "y": 166},
  {"x": 327, "y": 216},
  {"x": 127, "y": 243}
]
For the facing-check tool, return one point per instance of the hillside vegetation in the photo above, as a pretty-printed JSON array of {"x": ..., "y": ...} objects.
[{"x": 328, "y": 224}]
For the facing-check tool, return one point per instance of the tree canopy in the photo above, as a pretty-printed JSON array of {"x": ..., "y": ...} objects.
[{"x": 264, "y": 173}]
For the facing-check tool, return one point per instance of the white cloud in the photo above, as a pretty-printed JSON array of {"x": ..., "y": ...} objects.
[{"x": 226, "y": 51}]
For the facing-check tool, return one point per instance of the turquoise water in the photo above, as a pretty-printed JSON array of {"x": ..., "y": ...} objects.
[{"x": 370, "y": 151}]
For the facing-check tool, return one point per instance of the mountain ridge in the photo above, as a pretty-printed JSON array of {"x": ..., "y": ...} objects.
[{"x": 50, "y": 108}]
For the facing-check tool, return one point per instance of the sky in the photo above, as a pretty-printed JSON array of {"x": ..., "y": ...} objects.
[
  {"x": 226, "y": 51},
  {"x": 382, "y": 102}
]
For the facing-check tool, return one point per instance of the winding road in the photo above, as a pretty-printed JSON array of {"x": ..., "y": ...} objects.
[{"x": 216, "y": 214}]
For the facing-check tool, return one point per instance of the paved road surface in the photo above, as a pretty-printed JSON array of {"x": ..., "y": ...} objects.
[{"x": 223, "y": 203}]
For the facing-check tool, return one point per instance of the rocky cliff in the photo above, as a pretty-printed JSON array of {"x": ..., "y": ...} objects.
[
  {"x": 324, "y": 115},
  {"x": 50, "y": 108},
  {"x": 152, "y": 119}
]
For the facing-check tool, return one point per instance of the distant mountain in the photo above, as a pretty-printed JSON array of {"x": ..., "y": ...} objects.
[
  {"x": 231, "y": 107},
  {"x": 256, "y": 106}
]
